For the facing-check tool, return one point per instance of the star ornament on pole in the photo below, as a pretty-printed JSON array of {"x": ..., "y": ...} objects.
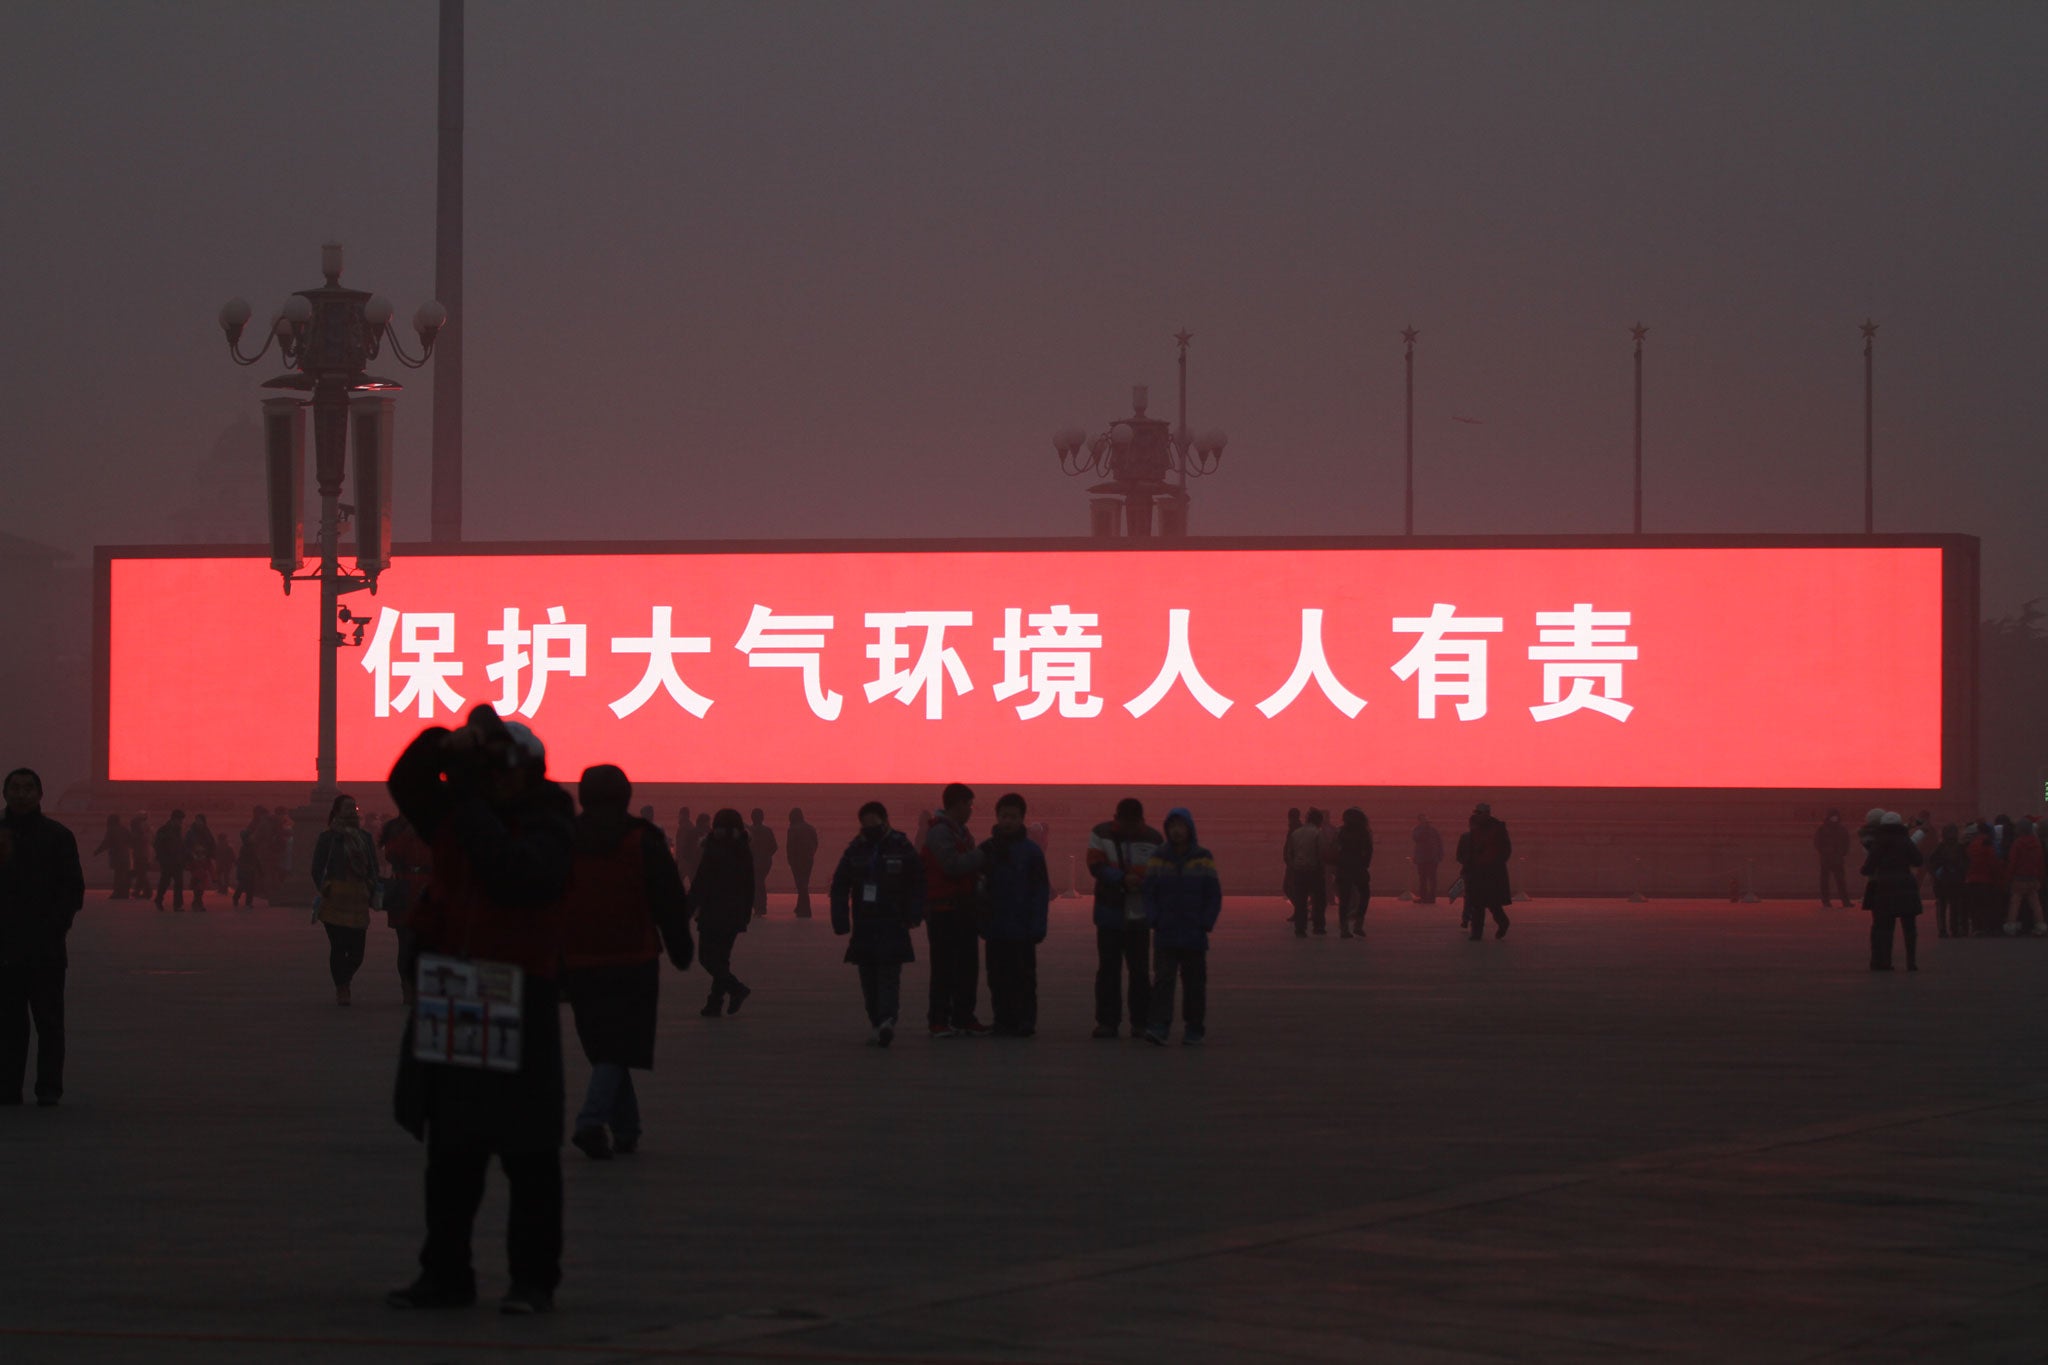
[
  {"x": 1638, "y": 332},
  {"x": 1408, "y": 335}
]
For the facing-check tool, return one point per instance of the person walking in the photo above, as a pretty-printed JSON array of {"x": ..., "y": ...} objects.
[
  {"x": 114, "y": 843},
  {"x": 1286, "y": 862},
  {"x": 1427, "y": 853},
  {"x": 1354, "y": 873},
  {"x": 1483, "y": 853},
  {"x": 1308, "y": 881},
  {"x": 1947, "y": 865},
  {"x": 411, "y": 866},
  {"x": 346, "y": 876},
  {"x": 503, "y": 837},
  {"x": 169, "y": 843},
  {"x": 722, "y": 899},
  {"x": 801, "y": 848},
  {"x": 1016, "y": 901},
  {"x": 42, "y": 889},
  {"x": 1831, "y": 844},
  {"x": 1891, "y": 893},
  {"x": 1183, "y": 899},
  {"x": 952, "y": 865},
  {"x": 688, "y": 840},
  {"x": 200, "y": 850},
  {"x": 761, "y": 840},
  {"x": 249, "y": 860},
  {"x": 2024, "y": 866},
  {"x": 1118, "y": 851},
  {"x": 877, "y": 897},
  {"x": 625, "y": 906}
]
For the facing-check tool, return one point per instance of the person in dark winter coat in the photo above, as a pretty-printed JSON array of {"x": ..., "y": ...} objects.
[
  {"x": 625, "y": 905},
  {"x": 1354, "y": 873},
  {"x": 952, "y": 863},
  {"x": 170, "y": 861},
  {"x": 761, "y": 839},
  {"x": 1183, "y": 899},
  {"x": 200, "y": 849},
  {"x": 1483, "y": 853},
  {"x": 1016, "y": 899},
  {"x": 502, "y": 837},
  {"x": 1947, "y": 865},
  {"x": 346, "y": 875},
  {"x": 722, "y": 899},
  {"x": 1831, "y": 843},
  {"x": 139, "y": 850},
  {"x": 2025, "y": 864},
  {"x": 878, "y": 896},
  {"x": 801, "y": 848},
  {"x": 1118, "y": 852},
  {"x": 1892, "y": 893},
  {"x": 42, "y": 888},
  {"x": 114, "y": 843},
  {"x": 249, "y": 860},
  {"x": 1308, "y": 874}
]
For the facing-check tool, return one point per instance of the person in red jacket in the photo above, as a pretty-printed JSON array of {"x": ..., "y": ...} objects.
[
  {"x": 625, "y": 904},
  {"x": 501, "y": 835},
  {"x": 952, "y": 864},
  {"x": 2025, "y": 865},
  {"x": 1984, "y": 879}
]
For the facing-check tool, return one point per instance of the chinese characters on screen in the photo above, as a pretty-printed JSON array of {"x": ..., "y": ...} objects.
[{"x": 1046, "y": 660}]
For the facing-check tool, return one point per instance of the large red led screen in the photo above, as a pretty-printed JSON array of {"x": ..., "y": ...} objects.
[{"x": 1528, "y": 667}]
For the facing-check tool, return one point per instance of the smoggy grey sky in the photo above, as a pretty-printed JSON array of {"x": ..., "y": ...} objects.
[{"x": 839, "y": 270}]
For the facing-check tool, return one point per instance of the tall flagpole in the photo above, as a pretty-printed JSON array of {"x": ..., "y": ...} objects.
[
  {"x": 447, "y": 434},
  {"x": 1408, "y": 335},
  {"x": 1869, "y": 462},
  {"x": 1639, "y": 332}
]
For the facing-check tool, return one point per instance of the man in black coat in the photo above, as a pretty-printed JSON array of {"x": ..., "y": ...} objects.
[
  {"x": 1483, "y": 853},
  {"x": 42, "y": 887},
  {"x": 170, "y": 860},
  {"x": 502, "y": 837},
  {"x": 878, "y": 897},
  {"x": 802, "y": 852}
]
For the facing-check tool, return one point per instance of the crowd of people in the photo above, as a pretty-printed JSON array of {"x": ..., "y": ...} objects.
[{"x": 492, "y": 871}]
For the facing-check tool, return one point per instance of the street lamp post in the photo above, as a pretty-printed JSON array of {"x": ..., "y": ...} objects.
[
  {"x": 1138, "y": 454},
  {"x": 327, "y": 336},
  {"x": 1408, "y": 335}
]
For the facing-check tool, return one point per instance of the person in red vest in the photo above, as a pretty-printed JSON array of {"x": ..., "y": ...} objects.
[
  {"x": 1983, "y": 878},
  {"x": 625, "y": 904},
  {"x": 502, "y": 838}
]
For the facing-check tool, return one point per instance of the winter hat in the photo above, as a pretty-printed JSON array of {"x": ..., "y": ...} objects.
[
  {"x": 1892, "y": 817},
  {"x": 1482, "y": 809},
  {"x": 1874, "y": 816},
  {"x": 527, "y": 742}
]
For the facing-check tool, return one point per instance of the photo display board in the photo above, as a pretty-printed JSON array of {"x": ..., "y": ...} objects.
[{"x": 1608, "y": 666}]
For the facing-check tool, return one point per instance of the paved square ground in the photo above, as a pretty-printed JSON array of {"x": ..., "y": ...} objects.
[{"x": 1682, "y": 1130}]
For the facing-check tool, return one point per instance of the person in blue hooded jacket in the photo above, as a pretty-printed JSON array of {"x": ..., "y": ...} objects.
[
  {"x": 877, "y": 899},
  {"x": 1016, "y": 896},
  {"x": 1183, "y": 899}
]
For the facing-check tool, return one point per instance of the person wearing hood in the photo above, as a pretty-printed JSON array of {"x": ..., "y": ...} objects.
[
  {"x": 1183, "y": 899},
  {"x": 42, "y": 889},
  {"x": 801, "y": 849},
  {"x": 114, "y": 843},
  {"x": 1892, "y": 892},
  {"x": 1016, "y": 900},
  {"x": 722, "y": 899},
  {"x": 1483, "y": 853},
  {"x": 346, "y": 876},
  {"x": 625, "y": 905},
  {"x": 877, "y": 898},
  {"x": 1118, "y": 852},
  {"x": 502, "y": 837},
  {"x": 1354, "y": 873},
  {"x": 1831, "y": 843}
]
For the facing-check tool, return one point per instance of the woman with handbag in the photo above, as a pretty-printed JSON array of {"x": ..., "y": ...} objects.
[{"x": 345, "y": 871}]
